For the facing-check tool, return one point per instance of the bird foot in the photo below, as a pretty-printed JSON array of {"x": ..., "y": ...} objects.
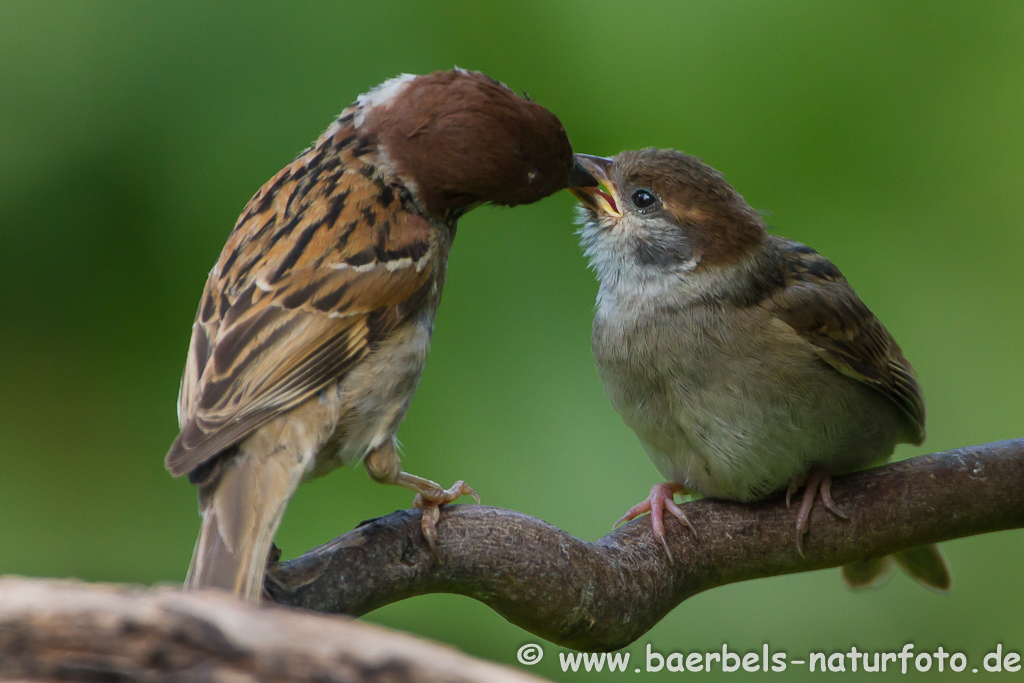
[
  {"x": 817, "y": 482},
  {"x": 430, "y": 502},
  {"x": 661, "y": 497}
]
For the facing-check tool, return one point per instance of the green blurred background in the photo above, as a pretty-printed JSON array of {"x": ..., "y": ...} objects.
[{"x": 890, "y": 136}]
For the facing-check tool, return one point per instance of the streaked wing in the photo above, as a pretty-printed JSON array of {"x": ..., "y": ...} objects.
[
  {"x": 819, "y": 304},
  {"x": 324, "y": 262}
]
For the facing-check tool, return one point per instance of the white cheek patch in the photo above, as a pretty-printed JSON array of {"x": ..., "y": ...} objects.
[
  {"x": 624, "y": 278},
  {"x": 381, "y": 96}
]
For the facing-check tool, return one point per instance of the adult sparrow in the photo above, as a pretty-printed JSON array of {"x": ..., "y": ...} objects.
[
  {"x": 744, "y": 362},
  {"x": 315, "y": 321}
]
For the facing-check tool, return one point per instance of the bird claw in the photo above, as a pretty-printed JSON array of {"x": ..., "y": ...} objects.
[
  {"x": 826, "y": 499},
  {"x": 660, "y": 499},
  {"x": 817, "y": 483},
  {"x": 794, "y": 486},
  {"x": 632, "y": 513},
  {"x": 431, "y": 501}
]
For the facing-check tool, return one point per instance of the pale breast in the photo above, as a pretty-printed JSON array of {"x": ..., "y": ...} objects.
[
  {"x": 733, "y": 406},
  {"x": 375, "y": 396}
]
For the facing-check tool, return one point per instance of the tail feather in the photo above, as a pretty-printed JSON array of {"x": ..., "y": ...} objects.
[
  {"x": 925, "y": 564},
  {"x": 866, "y": 574},
  {"x": 241, "y": 513}
]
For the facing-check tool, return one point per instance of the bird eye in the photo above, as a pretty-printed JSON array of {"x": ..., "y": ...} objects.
[{"x": 643, "y": 199}]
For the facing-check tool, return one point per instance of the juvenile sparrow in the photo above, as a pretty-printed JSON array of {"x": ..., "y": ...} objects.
[
  {"x": 744, "y": 362},
  {"x": 315, "y": 321}
]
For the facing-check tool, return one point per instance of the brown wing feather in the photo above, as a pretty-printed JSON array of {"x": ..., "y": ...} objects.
[
  {"x": 819, "y": 304},
  {"x": 322, "y": 263}
]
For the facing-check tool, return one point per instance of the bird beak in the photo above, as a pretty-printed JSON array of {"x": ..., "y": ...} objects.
[
  {"x": 579, "y": 176},
  {"x": 600, "y": 201}
]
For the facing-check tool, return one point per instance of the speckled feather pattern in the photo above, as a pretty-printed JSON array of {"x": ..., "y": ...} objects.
[
  {"x": 315, "y": 322},
  {"x": 326, "y": 260}
]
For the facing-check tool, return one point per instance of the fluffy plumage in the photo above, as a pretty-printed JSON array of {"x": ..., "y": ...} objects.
[{"x": 744, "y": 362}]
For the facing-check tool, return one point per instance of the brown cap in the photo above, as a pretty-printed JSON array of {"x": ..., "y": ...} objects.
[{"x": 460, "y": 138}]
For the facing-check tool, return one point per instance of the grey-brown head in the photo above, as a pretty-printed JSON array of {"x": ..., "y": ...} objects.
[
  {"x": 662, "y": 211},
  {"x": 459, "y": 138}
]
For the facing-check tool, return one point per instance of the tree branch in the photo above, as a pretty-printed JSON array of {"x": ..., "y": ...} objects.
[
  {"x": 605, "y": 595},
  {"x": 74, "y": 631}
]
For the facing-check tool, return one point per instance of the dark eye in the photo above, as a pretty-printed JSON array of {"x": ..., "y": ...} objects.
[{"x": 643, "y": 199}]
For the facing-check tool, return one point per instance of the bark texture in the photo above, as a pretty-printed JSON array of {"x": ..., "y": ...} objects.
[
  {"x": 606, "y": 594},
  {"x": 589, "y": 596},
  {"x": 74, "y": 631}
]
